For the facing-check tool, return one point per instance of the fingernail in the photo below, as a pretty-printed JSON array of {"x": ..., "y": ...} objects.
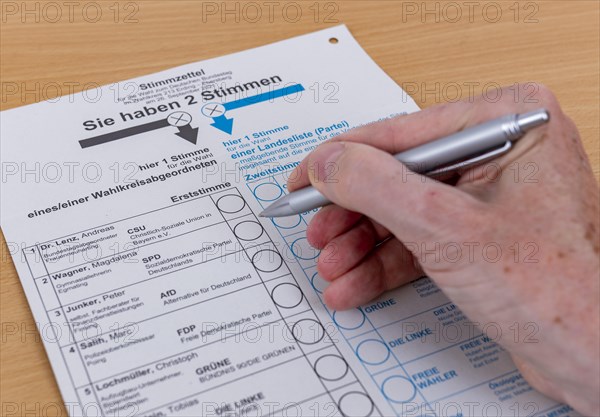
[
  {"x": 322, "y": 162},
  {"x": 294, "y": 177}
]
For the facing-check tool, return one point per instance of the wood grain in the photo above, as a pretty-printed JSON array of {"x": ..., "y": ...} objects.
[{"x": 440, "y": 54}]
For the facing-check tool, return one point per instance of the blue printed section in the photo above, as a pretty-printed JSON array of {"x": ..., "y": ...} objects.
[
  {"x": 259, "y": 98},
  {"x": 430, "y": 362}
]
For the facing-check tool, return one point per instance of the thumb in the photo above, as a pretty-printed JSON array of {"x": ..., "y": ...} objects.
[{"x": 413, "y": 207}]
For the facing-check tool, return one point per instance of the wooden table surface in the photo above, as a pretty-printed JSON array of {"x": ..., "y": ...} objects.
[{"x": 437, "y": 50}]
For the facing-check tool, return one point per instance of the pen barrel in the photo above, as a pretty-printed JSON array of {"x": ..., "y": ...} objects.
[
  {"x": 467, "y": 145},
  {"x": 307, "y": 199},
  {"x": 458, "y": 146}
]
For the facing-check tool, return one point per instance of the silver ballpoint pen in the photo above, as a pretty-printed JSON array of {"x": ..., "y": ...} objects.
[{"x": 467, "y": 148}]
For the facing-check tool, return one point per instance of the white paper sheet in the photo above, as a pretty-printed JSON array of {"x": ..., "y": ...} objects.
[{"x": 130, "y": 212}]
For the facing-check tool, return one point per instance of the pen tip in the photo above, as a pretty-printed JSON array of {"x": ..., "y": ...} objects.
[
  {"x": 279, "y": 208},
  {"x": 262, "y": 214}
]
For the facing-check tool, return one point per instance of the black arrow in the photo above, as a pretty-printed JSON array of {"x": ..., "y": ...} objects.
[{"x": 186, "y": 132}]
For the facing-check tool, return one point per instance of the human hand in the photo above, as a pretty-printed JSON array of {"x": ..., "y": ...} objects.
[{"x": 515, "y": 241}]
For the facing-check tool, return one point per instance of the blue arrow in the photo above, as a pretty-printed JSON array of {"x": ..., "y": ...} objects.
[
  {"x": 226, "y": 125},
  {"x": 223, "y": 123}
]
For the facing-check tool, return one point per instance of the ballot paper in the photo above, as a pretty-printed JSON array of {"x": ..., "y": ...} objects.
[{"x": 130, "y": 211}]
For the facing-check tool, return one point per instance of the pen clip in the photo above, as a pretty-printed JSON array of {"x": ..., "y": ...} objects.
[{"x": 477, "y": 160}]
